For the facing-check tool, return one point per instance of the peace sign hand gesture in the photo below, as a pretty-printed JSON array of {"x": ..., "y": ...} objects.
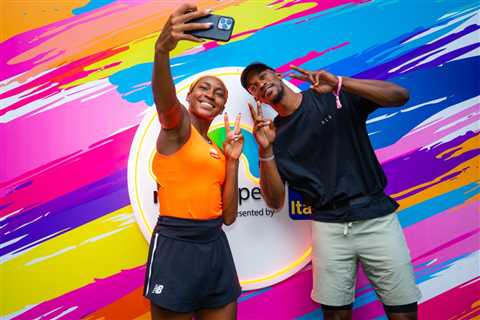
[
  {"x": 321, "y": 81},
  {"x": 233, "y": 144},
  {"x": 263, "y": 130}
]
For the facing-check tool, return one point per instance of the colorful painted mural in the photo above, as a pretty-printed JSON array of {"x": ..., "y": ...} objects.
[{"x": 75, "y": 84}]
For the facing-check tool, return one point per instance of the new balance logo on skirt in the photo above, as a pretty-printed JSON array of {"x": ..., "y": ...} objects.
[{"x": 157, "y": 289}]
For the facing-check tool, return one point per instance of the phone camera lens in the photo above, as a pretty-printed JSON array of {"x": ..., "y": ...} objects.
[{"x": 225, "y": 23}]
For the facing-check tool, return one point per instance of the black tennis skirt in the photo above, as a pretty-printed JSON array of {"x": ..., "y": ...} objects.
[{"x": 190, "y": 266}]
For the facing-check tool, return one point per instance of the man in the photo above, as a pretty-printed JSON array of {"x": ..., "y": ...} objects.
[{"x": 319, "y": 144}]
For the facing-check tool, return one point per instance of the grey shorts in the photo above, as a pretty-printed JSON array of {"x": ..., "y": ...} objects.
[{"x": 378, "y": 244}]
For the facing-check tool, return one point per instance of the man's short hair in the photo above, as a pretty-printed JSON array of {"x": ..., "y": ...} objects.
[{"x": 255, "y": 67}]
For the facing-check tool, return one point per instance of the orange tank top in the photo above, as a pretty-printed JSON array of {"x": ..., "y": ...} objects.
[{"x": 191, "y": 179}]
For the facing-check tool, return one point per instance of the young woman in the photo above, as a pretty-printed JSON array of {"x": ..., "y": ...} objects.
[{"x": 190, "y": 269}]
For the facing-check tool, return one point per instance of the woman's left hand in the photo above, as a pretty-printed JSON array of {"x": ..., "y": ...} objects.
[{"x": 233, "y": 144}]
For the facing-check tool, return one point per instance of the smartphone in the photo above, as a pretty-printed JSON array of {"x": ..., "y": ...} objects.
[{"x": 221, "y": 29}]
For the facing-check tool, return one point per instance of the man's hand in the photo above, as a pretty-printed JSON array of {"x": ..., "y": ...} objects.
[
  {"x": 174, "y": 29},
  {"x": 321, "y": 81},
  {"x": 263, "y": 130}
]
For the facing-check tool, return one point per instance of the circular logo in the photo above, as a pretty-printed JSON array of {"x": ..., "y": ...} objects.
[{"x": 267, "y": 246}]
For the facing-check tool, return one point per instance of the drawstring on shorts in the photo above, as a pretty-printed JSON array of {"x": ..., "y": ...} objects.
[{"x": 347, "y": 226}]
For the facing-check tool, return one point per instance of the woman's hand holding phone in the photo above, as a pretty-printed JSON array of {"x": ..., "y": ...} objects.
[{"x": 179, "y": 25}]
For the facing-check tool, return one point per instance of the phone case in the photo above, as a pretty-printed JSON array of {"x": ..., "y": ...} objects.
[{"x": 221, "y": 30}]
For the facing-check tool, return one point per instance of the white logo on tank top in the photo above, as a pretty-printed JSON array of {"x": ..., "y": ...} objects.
[{"x": 214, "y": 153}]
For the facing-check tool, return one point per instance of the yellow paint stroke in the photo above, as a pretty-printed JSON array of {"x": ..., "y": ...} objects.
[
  {"x": 141, "y": 51},
  {"x": 468, "y": 174},
  {"x": 145, "y": 316},
  {"x": 18, "y": 16},
  {"x": 466, "y": 146},
  {"x": 469, "y": 145},
  {"x": 475, "y": 309},
  {"x": 105, "y": 28},
  {"x": 98, "y": 249}
]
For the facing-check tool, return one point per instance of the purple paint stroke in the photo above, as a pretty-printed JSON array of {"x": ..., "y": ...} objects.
[
  {"x": 434, "y": 183},
  {"x": 296, "y": 289},
  {"x": 100, "y": 160},
  {"x": 427, "y": 158},
  {"x": 440, "y": 60},
  {"x": 383, "y": 71},
  {"x": 66, "y": 212},
  {"x": 414, "y": 34},
  {"x": 427, "y": 132},
  {"x": 420, "y": 59},
  {"x": 23, "y": 185},
  {"x": 87, "y": 193}
]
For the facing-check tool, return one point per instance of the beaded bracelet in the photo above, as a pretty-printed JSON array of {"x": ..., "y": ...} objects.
[
  {"x": 337, "y": 94},
  {"x": 267, "y": 158}
]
